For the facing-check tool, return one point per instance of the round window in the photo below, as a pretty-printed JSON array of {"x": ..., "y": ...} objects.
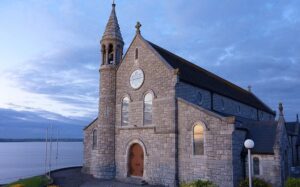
[{"x": 137, "y": 79}]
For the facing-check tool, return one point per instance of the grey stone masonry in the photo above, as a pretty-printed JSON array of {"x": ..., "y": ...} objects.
[
  {"x": 216, "y": 162},
  {"x": 194, "y": 94},
  {"x": 89, "y": 153},
  {"x": 156, "y": 139}
]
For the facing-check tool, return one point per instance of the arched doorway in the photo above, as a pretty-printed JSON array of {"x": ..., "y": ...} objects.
[{"x": 136, "y": 160}]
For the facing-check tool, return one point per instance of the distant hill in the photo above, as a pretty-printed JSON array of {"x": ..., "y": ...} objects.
[
  {"x": 33, "y": 125},
  {"x": 42, "y": 140}
]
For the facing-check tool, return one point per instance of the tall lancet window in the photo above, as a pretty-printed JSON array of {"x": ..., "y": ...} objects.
[
  {"x": 256, "y": 166},
  {"x": 136, "y": 53},
  {"x": 148, "y": 102},
  {"x": 198, "y": 139},
  {"x": 125, "y": 111},
  {"x": 94, "y": 146}
]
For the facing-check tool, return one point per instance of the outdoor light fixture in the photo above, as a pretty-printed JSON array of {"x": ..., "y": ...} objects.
[{"x": 249, "y": 144}]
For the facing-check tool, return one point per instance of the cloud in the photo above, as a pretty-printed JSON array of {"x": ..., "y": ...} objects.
[
  {"x": 249, "y": 43},
  {"x": 64, "y": 83}
]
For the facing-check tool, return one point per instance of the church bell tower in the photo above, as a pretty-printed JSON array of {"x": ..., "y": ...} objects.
[{"x": 111, "y": 51}]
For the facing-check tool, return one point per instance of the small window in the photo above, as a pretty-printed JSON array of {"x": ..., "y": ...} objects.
[
  {"x": 148, "y": 102},
  {"x": 238, "y": 109},
  {"x": 94, "y": 139},
  {"x": 136, "y": 53},
  {"x": 261, "y": 115},
  {"x": 199, "y": 98},
  {"x": 256, "y": 166},
  {"x": 125, "y": 111},
  {"x": 198, "y": 139}
]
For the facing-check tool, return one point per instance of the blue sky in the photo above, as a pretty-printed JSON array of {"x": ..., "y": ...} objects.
[{"x": 49, "y": 50}]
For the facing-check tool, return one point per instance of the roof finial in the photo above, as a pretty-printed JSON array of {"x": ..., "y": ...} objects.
[
  {"x": 297, "y": 118},
  {"x": 249, "y": 88},
  {"x": 113, "y": 4},
  {"x": 280, "y": 108},
  {"x": 138, "y": 26}
]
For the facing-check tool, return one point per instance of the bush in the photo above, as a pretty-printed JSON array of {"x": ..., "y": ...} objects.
[
  {"x": 198, "y": 183},
  {"x": 256, "y": 183},
  {"x": 292, "y": 182}
]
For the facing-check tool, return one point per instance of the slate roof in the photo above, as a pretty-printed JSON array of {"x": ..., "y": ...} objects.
[
  {"x": 291, "y": 128},
  {"x": 197, "y": 76},
  {"x": 262, "y": 133}
]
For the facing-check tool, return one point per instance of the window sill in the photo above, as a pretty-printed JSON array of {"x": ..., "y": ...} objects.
[
  {"x": 199, "y": 156},
  {"x": 131, "y": 127}
]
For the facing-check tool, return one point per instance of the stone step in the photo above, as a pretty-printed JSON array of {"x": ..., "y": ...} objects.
[{"x": 134, "y": 180}]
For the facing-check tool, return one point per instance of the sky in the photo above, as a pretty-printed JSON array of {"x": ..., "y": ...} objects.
[{"x": 50, "y": 55}]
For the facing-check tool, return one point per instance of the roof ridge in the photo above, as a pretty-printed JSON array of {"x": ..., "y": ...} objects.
[
  {"x": 194, "y": 74},
  {"x": 206, "y": 71}
]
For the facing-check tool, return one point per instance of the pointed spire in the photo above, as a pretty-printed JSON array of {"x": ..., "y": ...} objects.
[
  {"x": 297, "y": 118},
  {"x": 112, "y": 30}
]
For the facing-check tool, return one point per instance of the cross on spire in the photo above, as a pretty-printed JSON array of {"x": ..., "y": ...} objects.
[
  {"x": 138, "y": 26},
  {"x": 280, "y": 108}
]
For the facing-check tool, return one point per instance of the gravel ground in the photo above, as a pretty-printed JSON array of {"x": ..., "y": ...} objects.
[{"x": 73, "y": 177}]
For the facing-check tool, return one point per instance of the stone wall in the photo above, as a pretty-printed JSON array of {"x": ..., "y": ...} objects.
[
  {"x": 89, "y": 154},
  {"x": 216, "y": 163},
  {"x": 229, "y": 106},
  {"x": 264, "y": 116},
  {"x": 192, "y": 94},
  {"x": 157, "y": 139},
  {"x": 220, "y": 103},
  {"x": 269, "y": 168}
]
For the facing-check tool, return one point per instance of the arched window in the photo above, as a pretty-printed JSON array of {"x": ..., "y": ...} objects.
[
  {"x": 125, "y": 111},
  {"x": 222, "y": 104},
  {"x": 136, "y": 53},
  {"x": 198, "y": 139},
  {"x": 256, "y": 166},
  {"x": 261, "y": 115},
  {"x": 238, "y": 109},
  {"x": 94, "y": 139},
  {"x": 110, "y": 54},
  {"x": 148, "y": 100},
  {"x": 199, "y": 98}
]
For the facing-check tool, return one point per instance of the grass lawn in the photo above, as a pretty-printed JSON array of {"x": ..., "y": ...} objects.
[{"x": 38, "y": 181}]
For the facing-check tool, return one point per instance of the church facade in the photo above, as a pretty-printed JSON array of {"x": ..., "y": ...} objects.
[{"x": 164, "y": 120}]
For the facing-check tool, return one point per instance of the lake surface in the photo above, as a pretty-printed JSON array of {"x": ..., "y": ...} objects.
[{"x": 26, "y": 159}]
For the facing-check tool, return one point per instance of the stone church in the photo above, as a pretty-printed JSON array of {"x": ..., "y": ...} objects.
[{"x": 164, "y": 120}]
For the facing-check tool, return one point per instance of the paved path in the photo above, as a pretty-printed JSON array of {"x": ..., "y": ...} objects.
[{"x": 74, "y": 178}]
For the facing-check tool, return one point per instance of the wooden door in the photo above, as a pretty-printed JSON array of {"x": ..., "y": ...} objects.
[{"x": 136, "y": 160}]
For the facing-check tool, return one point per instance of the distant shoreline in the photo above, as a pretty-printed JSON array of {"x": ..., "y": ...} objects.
[{"x": 41, "y": 140}]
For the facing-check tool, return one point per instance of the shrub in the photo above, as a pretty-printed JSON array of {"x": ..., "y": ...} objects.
[
  {"x": 256, "y": 183},
  {"x": 198, "y": 183},
  {"x": 292, "y": 182}
]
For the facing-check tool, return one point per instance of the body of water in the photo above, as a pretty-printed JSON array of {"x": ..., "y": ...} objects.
[{"x": 26, "y": 159}]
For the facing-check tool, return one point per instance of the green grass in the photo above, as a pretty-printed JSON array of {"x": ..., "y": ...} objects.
[{"x": 38, "y": 181}]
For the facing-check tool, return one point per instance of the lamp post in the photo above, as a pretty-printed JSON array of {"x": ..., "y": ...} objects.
[{"x": 249, "y": 144}]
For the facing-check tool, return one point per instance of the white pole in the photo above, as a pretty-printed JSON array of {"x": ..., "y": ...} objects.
[
  {"x": 249, "y": 167},
  {"x": 57, "y": 147},
  {"x": 50, "y": 157},
  {"x": 46, "y": 156}
]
